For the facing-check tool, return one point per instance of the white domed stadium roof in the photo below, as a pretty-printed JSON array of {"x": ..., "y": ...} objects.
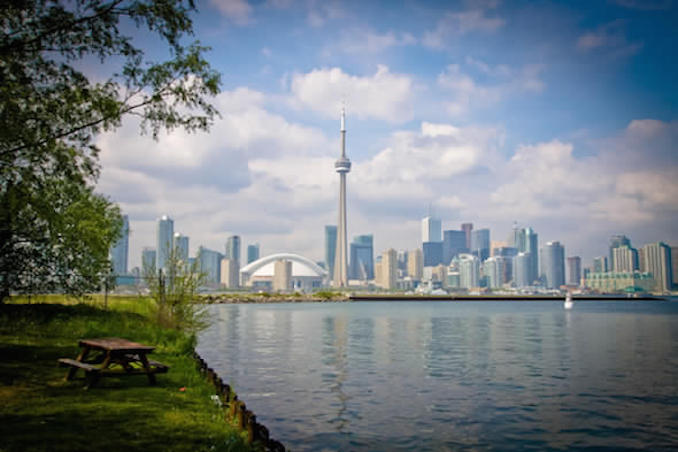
[{"x": 301, "y": 266}]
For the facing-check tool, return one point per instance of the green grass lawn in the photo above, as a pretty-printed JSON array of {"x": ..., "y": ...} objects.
[{"x": 39, "y": 410}]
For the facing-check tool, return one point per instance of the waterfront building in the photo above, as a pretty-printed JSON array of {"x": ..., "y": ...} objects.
[
  {"x": 480, "y": 243},
  {"x": 209, "y": 262},
  {"x": 624, "y": 259},
  {"x": 165, "y": 241},
  {"x": 507, "y": 252},
  {"x": 656, "y": 259},
  {"x": 454, "y": 243},
  {"x": 453, "y": 278},
  {"x": 521, "y": 270},
  {"x": 306, "y": 275},
  {"x": 233, "y": 248},
  {"x": 526, "y": 241},
  {"x": 553, "y": 265},
  {"x": 467, "y": 228},
  {"x": 674, "y": 266},
  {"x": 282, "y": 275},
  {"x": 615, "y": 242},
  {"x": 252, "y": 252},
  {"x": 362, "y": 258},
  {"x": 415, "y": 264},
  {"x": 120, "y": 251},
  {"x": 431, "y": 228},
  {"x": 388, "y": 269},
  {"x": 600, "y": 264},
  {"x": 574, "y": 271},
  {"x": 148, "y": 260},
  {"x": 620, "y": 282},
  {"x": 343, "y": 167},
  {"x": 402, "y": 264},
  {"x": 469, "y": 270},
  {"x": 494, "y": 269},
  {"x": 181, "y": 247},
  {"x": 229, "y": 273},
  {"x": 433, "y": 253},
  {"x": 439, "y": 274},
  {"x": 330, "y": 249}
]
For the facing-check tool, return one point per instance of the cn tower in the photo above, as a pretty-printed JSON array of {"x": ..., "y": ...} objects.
[{"x": 342, "y": 166}]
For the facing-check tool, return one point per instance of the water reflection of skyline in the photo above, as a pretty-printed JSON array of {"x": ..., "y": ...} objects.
[{"x": 435, "y": 376}]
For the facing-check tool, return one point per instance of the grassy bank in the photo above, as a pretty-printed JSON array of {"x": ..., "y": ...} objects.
[{"x": 41, "y": 411}]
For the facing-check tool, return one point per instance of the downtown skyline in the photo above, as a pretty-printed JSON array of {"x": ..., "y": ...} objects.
[{"x": 559, "y": 118}]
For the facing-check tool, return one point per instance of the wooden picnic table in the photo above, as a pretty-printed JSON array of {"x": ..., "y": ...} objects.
[{"x": 116, "y": 357}]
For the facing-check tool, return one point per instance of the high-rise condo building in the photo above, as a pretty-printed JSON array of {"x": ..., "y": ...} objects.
[
  {"x": 624, "y": 259},
  {"x": 469, "y": 270},
  {"x": 165, "y": 241},
  {"x": 674, "y": 266},
  {"x": 467, "y": 228},
  {"x": 330, "y": 249},
  {"x": 181, "y": 246},
  {"x": 553, "y": 265},
  {"x": 454, "y": 243},
  {"x": 526, "y": 241},
  {"x": 600, "y": 264},
  {"x": 252, "y": 252},
  {"x": 480, "y": 243},
  {"x": 209, "y": 262},
  {"x": 389, "y": 269},
  {"x": 431, "y": 229},
  {"x": 282, "y": 275},
  {"x": 342, "y": 166},
  {"x": 415, "y": 264},
  {"x": 402, "y": 263},
  {"x": 233, "y": 248},
  {"x": 229, "y": 274},
  {"x": 656, "y": 258},
  {"x": 521, "y": 270},
  {"x": 433, "y": 253},
  {"x": 362, "y": 258},
  {"x": 615, "y": 242},
  {"x": 148, "y": 261},
  {"x": 120, "y": 251},
  {"x": 574, "y": 271},
  {"x": 494, "y": 269}
]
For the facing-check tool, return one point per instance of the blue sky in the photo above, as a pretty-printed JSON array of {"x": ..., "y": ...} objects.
[{"x": 557, "y": 115}]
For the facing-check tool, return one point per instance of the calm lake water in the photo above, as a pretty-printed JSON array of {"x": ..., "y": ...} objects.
[{"x": 386, "y": 376}]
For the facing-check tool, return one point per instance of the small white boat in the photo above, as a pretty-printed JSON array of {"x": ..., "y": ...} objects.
[{"x": 568, "y": 301}]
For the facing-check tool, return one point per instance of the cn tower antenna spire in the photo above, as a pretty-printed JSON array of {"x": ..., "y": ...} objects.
[{"x": 342, "y": 166}]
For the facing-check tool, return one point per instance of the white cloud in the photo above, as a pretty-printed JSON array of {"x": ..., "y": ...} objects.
[
  {"x": 609, "y": 38},
  {"x": 239, "y": 11},
  {"x": 454, "y": 24},
  {"x": 364, "y": 41},
  {"x": 319, "y": 12},
  {"x": 467, "y": 93},
  {"x": 384, "y": 95}
]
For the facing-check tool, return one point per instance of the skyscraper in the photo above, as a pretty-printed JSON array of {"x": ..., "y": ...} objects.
[
  {"x": 467, "y": 228},
  {"x": 494, "y": 269},
  {"x": 527, "y": 241},
  {"x": 342, "y": 166},
  {"x": 624, "y": 258},
  {"x": 601, "y": 264},
  {"x": 233, "y": 248},
  {"x": 674, "y": 266},
  {"x": 657, "y": 260},
  {"x": 431, "y": 229},
  {"x": 389, "y": 269},
  {"x": 252, "y": 252},
  {"x": 282, "y": 275},
  {"x": 148, "y": 260},
  {"x": 330, "y": 249},
  {"x": 615, "y": 242},
  {"x": 415, "y": 264},
  {"x": 229, "y": 274},
  {"x": 181, "y": 246},
  {"x": 210, "y": 264},
  {"x": 480, "y": 243},
  {"x": 433, "y": 253},
  {"x": 362, "y": 258},
  {"x": 553, "y": 264},
  {"x": 521, "y": 270},
  {"x": 469, "y": 270},
  {"x": 120, "y": 251},
  {"x": 454, "y": 243},
  {"x": 165, "y": 241},
  {"x": 574, "y": 270}
]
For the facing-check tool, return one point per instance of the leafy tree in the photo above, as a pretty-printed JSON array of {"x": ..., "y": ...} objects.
[
  {"x": 175, "y": 291},
  {"x": 53, "y": 227}
]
